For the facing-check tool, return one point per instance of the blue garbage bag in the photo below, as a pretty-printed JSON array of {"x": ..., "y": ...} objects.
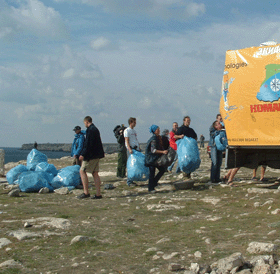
[
  {"x": 13, "y": 174},
  {"x": 66, "y": 177},
  {"x": 221, "y": 140},
  {"x": 35, "y": 157},
  {"x": 136, "y": 169},
  {"x": 188, "y": 154},
  {"x": 33, "y": 181},
  {"x": 49, "y": 168}
]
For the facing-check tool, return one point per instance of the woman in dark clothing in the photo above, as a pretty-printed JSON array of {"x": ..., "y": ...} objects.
[{"x": 154, "y": 149}]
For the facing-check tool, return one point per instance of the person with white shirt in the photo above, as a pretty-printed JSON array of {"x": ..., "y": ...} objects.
[{"x": 131, "y": 141}]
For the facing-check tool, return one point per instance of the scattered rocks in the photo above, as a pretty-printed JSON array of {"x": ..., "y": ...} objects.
[
  {"x": 4, "y": 242},
  {"x": 151, "y": 249},
  {"x": 227, "y": 264},
  {"x": 255, "y": 247},
  {"x": 14, "y": 192},
  {"x": 174, "y": 267},
  {"x": 26, "y": 225},
  {"x": 260, "y": 190},
  {"x": 276, "y": 211},
  {"x": 163, "y": 207},
  {"x": 60, "y": 223},
  {"x": 62, "y": 191},
  {"x": 163, "y": 240},
  {"x": 211, "y": 200},
  {"x": 10, "y": 263},
  {"x": 170, "y": 256},
  {"x": 80, "y": 238},
  {"x": 23, "y": 235},
  {"x": 197, "y": 254},
  {"x": 44, "y": 190}
]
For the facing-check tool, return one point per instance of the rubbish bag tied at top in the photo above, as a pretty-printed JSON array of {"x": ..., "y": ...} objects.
[
  {"x": 188, "y": 154},
  {"x": 136, "y": 169},
  {"x": 33, "y": 181},
  {"x": 66, "y": 177},
  {"x": 221, "y": 140},
  {"x": 35, "y": 157},
  {"x": 49, "y": 168},
  {"x": 13, "y": 174}
]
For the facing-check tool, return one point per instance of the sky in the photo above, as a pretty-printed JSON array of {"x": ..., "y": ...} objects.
[{"x": 156, "y": 60}]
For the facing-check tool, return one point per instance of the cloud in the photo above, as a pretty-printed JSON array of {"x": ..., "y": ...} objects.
[
  {"x": 165, "y": 9},
  {"x": 31, "y": 17},
  {"x": 102, "y": 43}
]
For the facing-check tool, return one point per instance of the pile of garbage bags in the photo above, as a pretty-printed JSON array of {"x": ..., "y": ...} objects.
[
  {"x": 136, "y": 169},
  {"x": 38, "y": 173},
  {"x": 188, "y": 154}
]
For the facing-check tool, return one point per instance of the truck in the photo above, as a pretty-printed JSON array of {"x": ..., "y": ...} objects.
[{"x": 250, "y": 106}]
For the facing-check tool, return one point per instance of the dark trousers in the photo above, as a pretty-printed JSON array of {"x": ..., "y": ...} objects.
[
  {"x": 122, "y": 159},
  {"x": 153, "y": 180},
  {"x": 216, "y": 158}
]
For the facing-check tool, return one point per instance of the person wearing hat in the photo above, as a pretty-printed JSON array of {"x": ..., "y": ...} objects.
[
  {"x": 77, "y": 145},
  {"x": 154, "y": 149}
]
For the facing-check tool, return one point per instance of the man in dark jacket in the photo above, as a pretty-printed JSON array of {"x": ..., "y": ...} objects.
[{"x": 90, "y": 155}]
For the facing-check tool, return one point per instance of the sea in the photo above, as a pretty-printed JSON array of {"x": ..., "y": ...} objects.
[{"x": 14, "y": 154}]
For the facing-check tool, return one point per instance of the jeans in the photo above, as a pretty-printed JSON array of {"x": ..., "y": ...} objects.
[
  {"x": 153, "y": 180},
  {"x": 172, "y": 165},
  {"x": 216, "y": 158}
]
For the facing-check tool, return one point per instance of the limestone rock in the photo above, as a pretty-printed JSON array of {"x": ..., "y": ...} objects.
[
  {"x": 268, "y": 259},
  {"x": 10, "y": 263},
  {"x": 60, "y": 223},
  {"x": 255, "y": 247},
  {"x": 163, "y": 240},
  {"x": 170, "y": 256},
  {"x": 62, "y": 190},
  {"x": 276, "y": 211},
  {"x": 174, "y": 267},
  {"x": 156, "y": 257},
  {"x": 14, "y": 192},
  {"x": 151, "y": 249},
  {"x": 259, "y": 190},
  {"x": 23, "y": 235},
  {"x": 262, "y": 268},
  {"x": 195, "y": 267},
  {"x": 245, "y": 271},
  {"x": 4, "y": 242},
  {"x": 26, "y": 225},
  {"x": 44, "y": 190},
  {"x": 80, "y": 238},
  {"x": 228, "y": 263},
  {"x": 197, "y": 254}
]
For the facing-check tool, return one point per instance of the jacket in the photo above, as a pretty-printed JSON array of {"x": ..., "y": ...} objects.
[
  {"x": 93, "y": 148},
  {"x": 150, "y": 158},
  {"x": 78, "y": 144},
  {"x": 121, "y": 141},
  {"x": 172, "y": 140}
]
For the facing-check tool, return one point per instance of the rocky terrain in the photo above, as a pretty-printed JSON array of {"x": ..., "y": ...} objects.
[{"x": 209, "y": 228}]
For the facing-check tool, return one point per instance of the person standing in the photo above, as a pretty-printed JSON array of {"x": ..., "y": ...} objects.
[
  {"x": 154, "y": 149},
  {"x": 77, "y": 145},
  {"x": 185, "y": 130},
  {"x": 131, "y": 141},
  {"x": 122, "y": 154},
  {"x": 216, "y": 155},
  {"x": 172, "y": 143},
  {"x": 201, "y": 139},
  {"x": 90, "y": 155}
]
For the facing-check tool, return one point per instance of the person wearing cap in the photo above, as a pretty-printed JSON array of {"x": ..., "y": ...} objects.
[
  {"x": 154, "y": 149},
  {"x": 77, "y": 145}
]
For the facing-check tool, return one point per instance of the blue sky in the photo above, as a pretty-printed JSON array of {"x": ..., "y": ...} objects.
[{"x": 156, "y": 60}]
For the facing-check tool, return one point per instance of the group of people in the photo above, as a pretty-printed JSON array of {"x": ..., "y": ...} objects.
[{"x": 87, "y": 150}]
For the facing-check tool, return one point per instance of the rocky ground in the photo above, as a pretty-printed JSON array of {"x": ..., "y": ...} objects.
[{"x": 205, "y": 229}]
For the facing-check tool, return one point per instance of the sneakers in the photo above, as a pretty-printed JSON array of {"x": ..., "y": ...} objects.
[
  {"x": 83, "y": 196},
  {"x": 152, "y": 191},
  {"x": 132, "y": 184},
  {"x": 96, "y": 197}
]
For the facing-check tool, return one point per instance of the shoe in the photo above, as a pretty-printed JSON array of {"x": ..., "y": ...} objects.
[
  {"x": 254, "y": 179},
  {"x": 83, "y": 196},
  {"x": 132, "y": 184},
  {"x": 96, "y": 197},
  {"x": 152, "y": 191}
]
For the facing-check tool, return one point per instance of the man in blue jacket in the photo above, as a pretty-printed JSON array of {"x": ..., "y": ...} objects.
[
  {"x": 90, "y": 155},
  {"x": 77, "y": 145}
]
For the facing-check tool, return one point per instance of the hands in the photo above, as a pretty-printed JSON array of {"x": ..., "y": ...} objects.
[
  {"x": 130, "y": 151},
  {"x": 165, "y": 152}
]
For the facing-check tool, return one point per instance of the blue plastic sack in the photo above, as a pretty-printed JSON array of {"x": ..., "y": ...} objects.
[
  {"x": 221, "y": 140},
  {"x": 136, "y": 169},
  {"x": 13, "y": 174},
  {"x": 49, "y": 168},
  {"x": 188, "y": 154},
  {"x": 34, "y": 158},
  {"x": 66, "y": 177},
  {"x": 33, "y": 181}
]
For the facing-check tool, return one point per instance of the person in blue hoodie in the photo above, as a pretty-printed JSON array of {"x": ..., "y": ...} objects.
[{"x": 77, "y": 145}]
